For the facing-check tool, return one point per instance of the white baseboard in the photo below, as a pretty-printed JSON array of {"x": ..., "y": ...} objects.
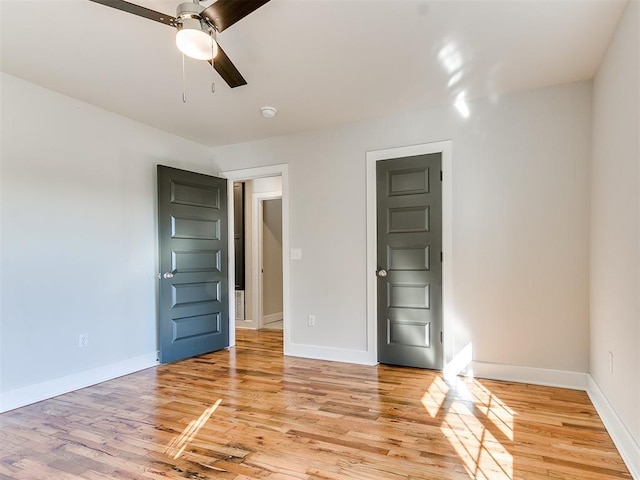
[
  {"x": 272, "y": 317},
  {"x": 361, "y": 357},
  {"x": 245, "y": 324},
  {"x": 249, "y": 324},
  {"x": 536, "y": 376},
  {"x": 622, "y": 438},
  {"x": 52, "y": 388}
]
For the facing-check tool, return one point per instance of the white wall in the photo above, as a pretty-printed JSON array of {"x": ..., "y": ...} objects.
[
  {"x": 615, "y": 223},
  {"x": 78, "y": 236},
  {"x": 520, "y": 226}
]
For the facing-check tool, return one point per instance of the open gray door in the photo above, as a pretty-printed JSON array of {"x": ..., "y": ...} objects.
[
  {"x": 409, "y": 224},
  {"x": 192, "y": 236}
]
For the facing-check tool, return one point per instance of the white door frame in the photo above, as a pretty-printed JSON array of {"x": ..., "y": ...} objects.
[
  {"x": 443, "y": 147},
  {"x": 256, "y": 251},
  {"x": 281, "y": 170}
]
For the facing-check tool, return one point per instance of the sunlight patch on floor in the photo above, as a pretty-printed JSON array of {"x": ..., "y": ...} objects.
[
  {"x": 483, "y": 457},
  {"x": 435, "y": 396},
  {"x": 475, "y": 441},
  {"x": 182, "y": 441},
  {"x": 477, "y": 424},
  {"x": 495, "y": 410}
]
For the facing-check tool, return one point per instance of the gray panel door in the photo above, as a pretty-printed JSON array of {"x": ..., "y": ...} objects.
[
  {"x": 409, "y": 225},
  {"x": 192, "y": 236}
]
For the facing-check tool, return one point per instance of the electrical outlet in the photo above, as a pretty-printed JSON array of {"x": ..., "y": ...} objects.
[
  {"x": 610, "y": 362},
  {"x": 83, "y": 340},
  {"x": 312, "y": 320}
]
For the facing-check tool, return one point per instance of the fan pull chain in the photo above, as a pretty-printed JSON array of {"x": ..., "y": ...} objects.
[{"x": 184, "y": 83}]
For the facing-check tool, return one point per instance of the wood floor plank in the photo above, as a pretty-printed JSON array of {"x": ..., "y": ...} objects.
[{"x": 251, "y": 413}]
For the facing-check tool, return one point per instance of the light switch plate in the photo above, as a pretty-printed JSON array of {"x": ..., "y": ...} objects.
[{"x": 296, "y": 254}]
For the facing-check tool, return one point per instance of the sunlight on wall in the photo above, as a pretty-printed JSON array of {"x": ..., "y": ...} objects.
[
  {"x": 452, "y": 61},
  {"x": 450, "y": 58},
  {"x": 182, "y": 441},
  {"x": 478, "y": 425},
  {"x": 459, "y": 363},
  {"x": 455, "y": 78},
  {"x": 461, "y": 105}
]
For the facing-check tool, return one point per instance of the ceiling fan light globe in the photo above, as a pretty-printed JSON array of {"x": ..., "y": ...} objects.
[{"x": 195, "y": 43}]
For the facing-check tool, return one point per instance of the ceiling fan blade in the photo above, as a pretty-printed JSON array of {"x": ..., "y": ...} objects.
[
  {"x": 138, "y": 10},
  {"x": 227, "y": 69},
  {"x": 225, "y": 13}
]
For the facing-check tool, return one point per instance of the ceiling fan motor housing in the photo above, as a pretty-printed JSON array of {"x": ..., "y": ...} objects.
[
  {"x": 195, "y": 24},
  {"x": 188, "y": 16}
]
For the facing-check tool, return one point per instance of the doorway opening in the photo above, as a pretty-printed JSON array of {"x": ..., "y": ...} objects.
[
  {"x": 258, "y": 253},
  {"x": 261, "y": 300}
]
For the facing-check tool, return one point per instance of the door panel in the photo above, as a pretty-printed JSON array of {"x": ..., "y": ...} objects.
[
  {"x": 192, "y": 236},
  {"x": 409, "y": 236}
]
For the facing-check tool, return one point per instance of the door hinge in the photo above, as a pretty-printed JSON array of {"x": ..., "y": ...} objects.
[
  {"x": 441, "y": 257},
  {"x": 440, "y": 175},
  {"x": 441, "y": 338}
]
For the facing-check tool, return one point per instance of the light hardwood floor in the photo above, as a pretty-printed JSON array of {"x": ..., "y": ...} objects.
[{"x": 250, "y": 413}]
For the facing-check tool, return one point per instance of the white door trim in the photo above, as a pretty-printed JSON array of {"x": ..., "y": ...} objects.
[
  {"x": 251, "y": 174},
  {"x": 256, "y": 251},
  {"x": 443, "y": 147}
]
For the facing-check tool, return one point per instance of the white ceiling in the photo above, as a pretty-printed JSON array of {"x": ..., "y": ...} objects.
[{"x": 319, "y": 62}]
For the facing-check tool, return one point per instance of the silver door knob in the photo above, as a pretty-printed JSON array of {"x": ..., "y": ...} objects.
[
  {"x": 382, "y": 273},
  {"x": 167, "y": 275}
]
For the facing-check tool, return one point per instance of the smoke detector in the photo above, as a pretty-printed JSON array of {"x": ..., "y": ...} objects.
[{"x": 269, "y": 112}]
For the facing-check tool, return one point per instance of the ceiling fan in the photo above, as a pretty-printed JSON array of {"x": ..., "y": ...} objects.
[{"x": 197, "y": 28}]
